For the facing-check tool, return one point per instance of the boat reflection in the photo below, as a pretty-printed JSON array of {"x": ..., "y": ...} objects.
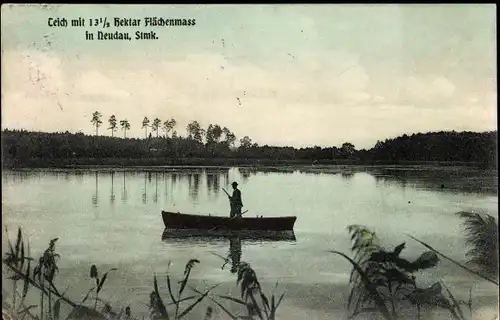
[
  {"x": 189, "y": 235},
  {"x": 234, "y": 253},
  {"x": 192, "y": 237}
]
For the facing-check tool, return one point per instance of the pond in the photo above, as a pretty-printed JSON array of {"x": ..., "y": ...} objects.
[{"x": 112, "y": 218}]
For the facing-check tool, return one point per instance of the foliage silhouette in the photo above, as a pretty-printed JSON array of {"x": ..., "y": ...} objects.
[
  {"x": 23, "y": 148},
  {"x": 112, "y": 124},
  {"x": 381, "y": 281},
  {"x": 481, "y": 231},
  {"x": 42, "y": 277},
  {"x": 145, "y": 125},
  {"x": 96, "y": 120}
]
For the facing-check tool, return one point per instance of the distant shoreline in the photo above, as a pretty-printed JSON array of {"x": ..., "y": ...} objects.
[
  {"x": 219, "y": 163},
  {"x": 23, "y": 149}
]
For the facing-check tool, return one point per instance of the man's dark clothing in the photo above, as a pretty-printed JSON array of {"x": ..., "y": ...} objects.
[{"x": 236, "y": 203}]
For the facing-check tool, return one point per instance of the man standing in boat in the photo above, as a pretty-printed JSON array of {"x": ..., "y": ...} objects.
[{"x": 235, "y": 201}]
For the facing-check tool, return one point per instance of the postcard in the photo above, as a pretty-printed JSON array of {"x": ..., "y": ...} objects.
[{"x": 279, "y": 161}]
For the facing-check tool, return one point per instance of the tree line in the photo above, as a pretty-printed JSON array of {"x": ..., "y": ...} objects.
[
  {"x": 195, "y": 132},
  {"x": 19, "y": 146}
]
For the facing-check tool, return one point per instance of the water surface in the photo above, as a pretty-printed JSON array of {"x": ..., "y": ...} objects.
[{"x": 112, "y": 218}]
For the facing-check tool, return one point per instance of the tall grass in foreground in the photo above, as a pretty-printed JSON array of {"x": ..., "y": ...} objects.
[
  {"x": 481, "y": 231},
  {"x": 383, "y": 283},
  {"x": 256, "y": 305}
]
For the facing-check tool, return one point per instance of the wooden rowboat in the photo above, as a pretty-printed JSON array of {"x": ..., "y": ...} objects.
[{"x": 174, "y": 220}]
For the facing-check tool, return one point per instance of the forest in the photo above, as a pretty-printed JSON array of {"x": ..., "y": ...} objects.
[{"x": 162, "y": 145}]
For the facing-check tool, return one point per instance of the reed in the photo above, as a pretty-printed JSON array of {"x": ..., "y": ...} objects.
[
  {"x": 481, "y": 235},
  {"x": 381, "y": 282},
  {"x": 384, "y": 283},
  {"x": 172, "y": 306},
  {"x": 42, "y": 278},
  {"x": 253, "y": 299}
]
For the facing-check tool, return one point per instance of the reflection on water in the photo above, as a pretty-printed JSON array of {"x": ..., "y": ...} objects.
[
  {"x": 222, "y": 239},
  {"x": 112, "y": 192},
  {"x": 194, "y": 185},
  {"x": 124, "y": 191},
  {"x": 234, "y": 253},
  {"x": 95, "y": 197},
  {"x": 464, "y": 180},
  {"x": 144, "y": 191},
  {"x": 246, "y": 173},
  {"x": 194, "y": 179},
  {"x": 213, "y": 183},
  {"x": 148, "y": 177},
  {"x": 216, "y": 236},
  {"x": 347, "y": 174},
  {"x": 155, "y": 198},
  {"x": 126, "y": 233},
  {"x": 174, "y": 179},
  {"x": 450, "y": 180}
]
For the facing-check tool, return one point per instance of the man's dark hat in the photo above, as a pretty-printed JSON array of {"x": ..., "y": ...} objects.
[{"x": 234, "y": 183}]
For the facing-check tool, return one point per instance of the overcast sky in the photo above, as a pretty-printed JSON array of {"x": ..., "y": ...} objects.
[{"x": 303, "y": 74}]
